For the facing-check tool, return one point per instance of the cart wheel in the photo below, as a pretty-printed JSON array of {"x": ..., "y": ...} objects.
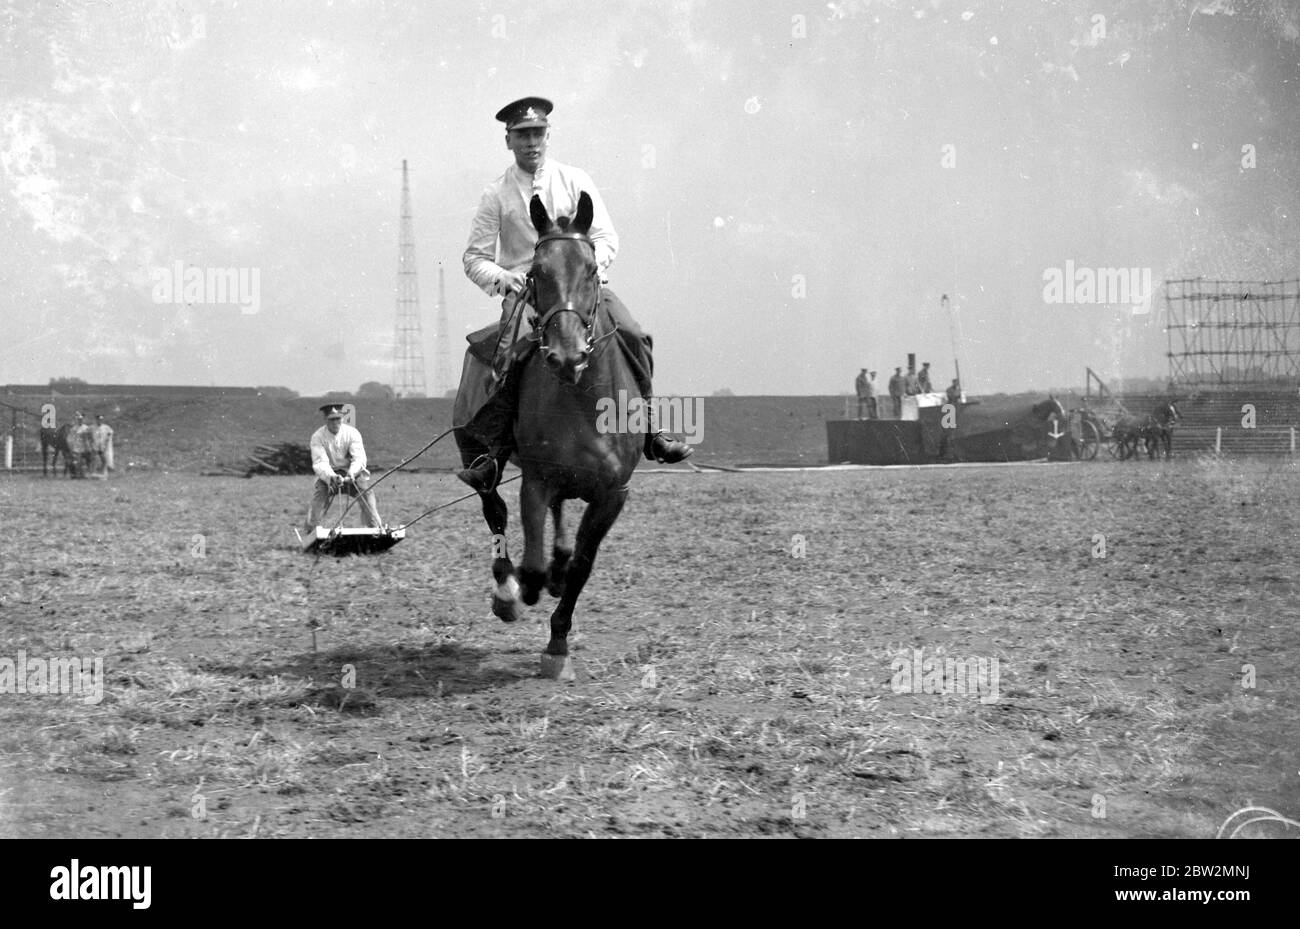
[{"x": 1090, "y": 438}]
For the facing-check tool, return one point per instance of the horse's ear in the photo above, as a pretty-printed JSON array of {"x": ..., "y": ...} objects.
[
  {"x": 541, "y": 222},
  {"x": 582, "y": 222}
]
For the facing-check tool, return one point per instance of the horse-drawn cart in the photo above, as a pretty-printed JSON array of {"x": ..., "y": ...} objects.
[
  {"x": 1093, "y": 430},
  {"x": 1093, "y": 425},
  {"x": 1121, "y": 432}
]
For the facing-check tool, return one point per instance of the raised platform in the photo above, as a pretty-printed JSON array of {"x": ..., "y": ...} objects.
[{"x": 903, "y": 442}]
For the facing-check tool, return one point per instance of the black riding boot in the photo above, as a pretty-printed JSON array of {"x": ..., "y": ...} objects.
[
  {"x": 494, "y": 425},
  {"x": 660, "y": 446},
  {"x": 637, "y": 347}
]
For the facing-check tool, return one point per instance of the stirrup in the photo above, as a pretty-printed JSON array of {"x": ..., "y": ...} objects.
[{"x": 474, "y": 477}]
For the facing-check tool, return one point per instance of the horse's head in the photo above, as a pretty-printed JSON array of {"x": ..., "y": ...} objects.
[
  {"x": 567, "y": 288},
  {"x": 1049, "y": 408}
]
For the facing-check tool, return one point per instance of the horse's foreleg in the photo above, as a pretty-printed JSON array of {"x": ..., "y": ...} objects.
[
  {"x": 561, "y": 552},
  {"x": 505, "y": 596},
  {"x": 534, "y": 500},
  {"x": 600, "y": 515}
]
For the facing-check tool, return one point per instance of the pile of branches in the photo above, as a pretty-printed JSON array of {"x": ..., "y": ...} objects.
[{"x": 285, "y": 458}]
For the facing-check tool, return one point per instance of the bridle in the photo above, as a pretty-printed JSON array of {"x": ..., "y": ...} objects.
[{"x": 589, "y": 320}]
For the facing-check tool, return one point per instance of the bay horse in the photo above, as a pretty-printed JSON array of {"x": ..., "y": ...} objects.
[
  {"x": 57, "y": 439},
  {"x": 562, "y": 453},
  {"x": 1155, "y": 430}
]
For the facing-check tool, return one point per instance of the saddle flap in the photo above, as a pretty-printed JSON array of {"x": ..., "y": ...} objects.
[{"x": 482, "y": 343}]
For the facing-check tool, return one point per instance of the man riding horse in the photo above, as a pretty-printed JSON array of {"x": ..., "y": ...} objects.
[{"x": 500, "y": 251}]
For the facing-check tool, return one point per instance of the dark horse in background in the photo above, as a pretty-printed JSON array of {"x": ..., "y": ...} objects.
[
  {"x": 57, "y": 439},
  {"x": 562, "y": 453},
  {"x": 1048, "y": 410},
  {"x": 1155, "y": 430},
  {"x": 1051, "y": 411}
]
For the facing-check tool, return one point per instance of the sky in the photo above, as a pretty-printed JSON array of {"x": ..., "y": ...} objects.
[{"x": 795, "y": 185}]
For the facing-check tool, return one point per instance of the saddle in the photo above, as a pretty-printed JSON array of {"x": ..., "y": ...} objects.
[{"x": 483, "y": 346}]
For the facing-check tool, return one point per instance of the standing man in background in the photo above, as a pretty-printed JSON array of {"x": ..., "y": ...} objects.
[
  {"x": 83, "y": 444},
  {"x": 103, "y": 436},
  {"x": 896, "y": 391},
  {"x": 911, "y": 383},
  {"x": 924, "y": 378},
  {"x": 863, "y": 388}
]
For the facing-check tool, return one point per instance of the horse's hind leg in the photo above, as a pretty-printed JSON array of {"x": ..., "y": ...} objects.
[
  {"x": 600, "y": 515},
  {"x": 561, "y": 552}
]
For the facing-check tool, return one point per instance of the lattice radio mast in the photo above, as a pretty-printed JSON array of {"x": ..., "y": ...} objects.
[
  {"x": 442, "y": 372},
  {"x": 408, "y": 352}
]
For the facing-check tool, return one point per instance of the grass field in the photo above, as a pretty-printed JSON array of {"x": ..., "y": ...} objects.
[{"x": 736, "y": 650}]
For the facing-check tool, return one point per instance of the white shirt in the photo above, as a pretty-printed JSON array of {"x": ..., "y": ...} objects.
[
  {"x": 103, "y": 436},
  {"x": 337, "y": 451},
  {"x": 502, "y": 237}
]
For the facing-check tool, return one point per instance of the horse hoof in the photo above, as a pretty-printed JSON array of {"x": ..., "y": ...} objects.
[
  {"x": 555, "y": 589},
  {"x": 508, "y": 611},
  {"x": 505, "y": 601},
  {"x": 558, "y": 667},
  {"x": 532, "y": 584}
]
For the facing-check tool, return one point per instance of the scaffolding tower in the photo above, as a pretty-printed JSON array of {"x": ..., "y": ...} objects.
[
  {"x": 408, "y": 351},
  {"x": 1226, "y": 334}
]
